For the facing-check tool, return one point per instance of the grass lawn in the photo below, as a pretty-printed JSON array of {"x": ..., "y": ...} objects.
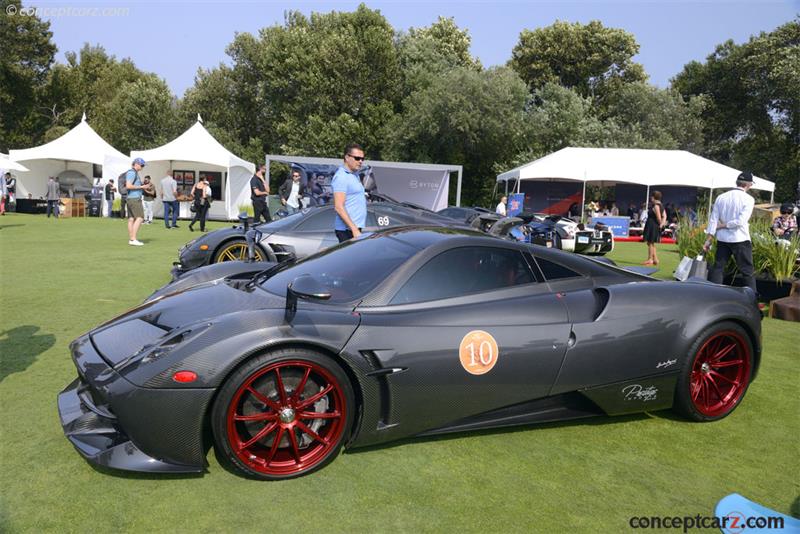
[{"x": 61, "y": 278}]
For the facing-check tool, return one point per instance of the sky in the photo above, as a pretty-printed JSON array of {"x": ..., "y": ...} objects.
[{"x": 174, "y": 38}]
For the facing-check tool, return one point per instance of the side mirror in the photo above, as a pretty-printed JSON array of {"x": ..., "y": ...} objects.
[
  {"x": 304, "y": 287},
  {"x": 244, "y": 220}
]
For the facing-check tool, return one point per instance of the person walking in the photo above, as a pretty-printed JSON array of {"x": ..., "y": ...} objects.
[
  {"x": 729, "y": 224},
  {"x": 135, "y": 189},
  {"x": 259, "y": 193},
  {"x": 3, "y": 195},
  {"x": 169, "y": 198},
  {"x": 201, "y": 193},
  {"x": 148, "y": 198},
  {"x": 110, "y": 191},
  {"x": 349, "y": 200},
  {"x": 53, "y": 194},
  {"x": 656, "y": 219},
  {"x": 291, "y": 191}
]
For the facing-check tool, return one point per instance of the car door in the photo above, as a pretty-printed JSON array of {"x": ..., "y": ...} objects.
[
  {"x": 313, "y": 233},
  {"x": 470, "y": 331}
]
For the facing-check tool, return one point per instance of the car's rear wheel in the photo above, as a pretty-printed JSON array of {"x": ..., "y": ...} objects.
[
  {"x": 283, "y": 414},
  {"x": 716, "y": 374},
  {"x": 236, "y": 251},
  {"x": 557, "y": 241}
]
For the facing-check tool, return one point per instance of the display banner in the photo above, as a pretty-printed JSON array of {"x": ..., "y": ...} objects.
[
  {"x": 515, "y": 204},
  {"x": 618, "y": 225}
]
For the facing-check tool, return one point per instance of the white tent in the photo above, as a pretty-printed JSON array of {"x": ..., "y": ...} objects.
[
  {"x": 196, "y": 152},
  {"x": 424, "y": 184},
  {"x": 630, "y": 165},
  {"x": 7, "y": 165},
  {"x": 77, "y": 150}
]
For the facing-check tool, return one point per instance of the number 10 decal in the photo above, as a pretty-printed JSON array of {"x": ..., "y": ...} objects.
[{"x": 478, "y": 352}]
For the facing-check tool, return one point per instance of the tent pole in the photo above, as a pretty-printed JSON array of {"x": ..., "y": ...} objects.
[
  {"x": 710, "y": 196},
  {"x": 458, "y": 188},
  {"x": 647, "y": 199},
  {"x": 583, "y": 203},
  {"x": 772, "y": 197}
]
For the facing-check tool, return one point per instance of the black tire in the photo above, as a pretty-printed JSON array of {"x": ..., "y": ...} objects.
[
  {"x": 711, "y": 387},
  {"x": 236, "y": 250},
  {"x": 557, "y": 241},
  {"x": 290, "y": 445}
]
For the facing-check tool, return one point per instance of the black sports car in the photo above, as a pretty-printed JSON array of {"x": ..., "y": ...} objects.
[
  {"x": 297, "y": 235},
  {"x": 407, "y": 332}
]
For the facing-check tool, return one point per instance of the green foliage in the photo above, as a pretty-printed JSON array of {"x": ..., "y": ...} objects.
[
  {"x": 246, "y": 208},
  {"x": 753, "y": 115},
  {"x": 777, "y": 258},
  {"x": 116, "y": 204},
  {"x": 690, "y": 237},
  {"x": 26, "y": 54},
  {"x": 591, "y": 58}
]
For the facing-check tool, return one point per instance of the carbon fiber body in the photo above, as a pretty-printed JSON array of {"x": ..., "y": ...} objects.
[{"x": 600, "y": 341}]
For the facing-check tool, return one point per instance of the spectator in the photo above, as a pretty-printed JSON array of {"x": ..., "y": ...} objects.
[
  {"x": 291, "y": 191},
  {"x": 259, "y": 193},
  {"x": 501, "y": 207},
  {"x": 656, "y": 219},
  {"x": 110, "y": 191},
  {"x": 148, "y": 197},
  {"x": 614, "y": 209},
  {"x": 201, "y": 195},
  {"x": 169, "y": 199},
  {"x": 3, "y": 195},
  {"x": 785, "y": 225},
  {"x": 729, "y": 223},
  {"x": 633, "y": 212},
  {"x": 349, "y": 200},
  {"x": 11, "y": 188},
  {"x": 53, "y": 193},
  {"x": 134, "y": 208}
]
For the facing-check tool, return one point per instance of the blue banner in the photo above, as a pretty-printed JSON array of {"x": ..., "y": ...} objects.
[
  {"x": 618, "y": 225},
  {"x": 515, "y": 203}
]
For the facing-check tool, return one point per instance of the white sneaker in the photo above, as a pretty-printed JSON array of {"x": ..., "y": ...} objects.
[{"x": 135, "y": 243}]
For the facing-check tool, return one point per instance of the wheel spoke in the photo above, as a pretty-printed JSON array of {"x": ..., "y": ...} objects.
[
  {"x": 704, "y": 386},
  {"x": 262, "y": 433},
  {"x": 695, "y": 388},
  {"x": 266, "y": 416},
  {"x": 281, "y": 389},
  {"x": 729, "y": 363},
  {"x": 301, "y": 386},
  {"x": 311, "y": 400},
  {"x": 302, "y": 426},
  {"x": 725, "y": 378},
  {"x": 319, "y": 415},
  {"x": 275, "y": 445},
  {"x": 716, "y": 389},
  {"x": 295, "y": 448},
  {"x": 264, "y": 399},
  {"x": 719, "y": 354}
]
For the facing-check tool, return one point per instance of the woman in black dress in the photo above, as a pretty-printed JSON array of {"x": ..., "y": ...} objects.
[
  {"x": 200, "y": 194},
  {"x": 652, "y": 228}
]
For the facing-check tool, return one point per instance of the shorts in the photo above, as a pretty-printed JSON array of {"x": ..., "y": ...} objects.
[{"x": 135, "y": 209}]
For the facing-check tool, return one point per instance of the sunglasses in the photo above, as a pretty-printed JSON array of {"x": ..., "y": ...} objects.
[{"x": 357, "y": 158}]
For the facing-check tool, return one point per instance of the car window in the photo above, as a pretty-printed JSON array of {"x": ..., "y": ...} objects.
[
  {"x": 371, "y": 221},
  {"x": 350, "y": 270},
  {"x": 465, "y": 270},
  {"x": 555, "y": 271},
  {"x": 318, "y": 222}
]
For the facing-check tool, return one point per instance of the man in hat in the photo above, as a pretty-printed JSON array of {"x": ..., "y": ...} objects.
[{"x": 729, "y": 223}]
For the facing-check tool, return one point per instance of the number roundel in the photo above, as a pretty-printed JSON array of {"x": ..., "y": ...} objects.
[{"x": 478, "y": 352}]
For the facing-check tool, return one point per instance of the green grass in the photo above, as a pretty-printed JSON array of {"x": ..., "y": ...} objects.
[{"x": 61, "y": 278}]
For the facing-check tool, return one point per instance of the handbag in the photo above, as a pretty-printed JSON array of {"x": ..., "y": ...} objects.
[
  {"x": 192, "y": 208},
  {"x": 691, "y": 268},
  {"x": 682, "y": 271}
]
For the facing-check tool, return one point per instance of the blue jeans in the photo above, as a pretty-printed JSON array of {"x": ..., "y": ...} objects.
[
  {"x": 110, "y": 206},
  {"x": 52, "y": 206},
  {"x": 290, "y": 210},
  {"x": 171, "y": 208}
]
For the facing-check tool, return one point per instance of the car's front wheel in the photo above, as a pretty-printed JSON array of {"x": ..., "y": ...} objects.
[
  {"x": 283, "y": 414},
  {"x": 716, "y": 373},
  {"x": 236, "y": 251}
]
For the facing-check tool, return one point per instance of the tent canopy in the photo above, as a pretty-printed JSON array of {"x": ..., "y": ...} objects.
[
  {"x": 81, "y": 143},
  {"x": 631, "y": 165},
  {"x": 195, "y": 144},
  {"x": 9, "y": 165}
]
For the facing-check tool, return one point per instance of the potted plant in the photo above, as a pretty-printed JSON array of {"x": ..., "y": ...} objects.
[
  {"x": 774, "y": 260},
  {"x": 116, "y": 206}
]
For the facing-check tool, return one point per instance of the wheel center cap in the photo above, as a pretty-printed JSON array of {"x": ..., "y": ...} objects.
[
  {"x": 705, "y": 368},
  {"x": 286, "y": 415}
]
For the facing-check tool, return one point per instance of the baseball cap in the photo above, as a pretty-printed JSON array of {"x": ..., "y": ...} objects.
[
  {"x": 140, "y": 161},
  {"x": 746, "y": 176}
]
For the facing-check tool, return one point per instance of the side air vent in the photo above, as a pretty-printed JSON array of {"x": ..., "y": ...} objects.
[{"x": 601, "y": 297}]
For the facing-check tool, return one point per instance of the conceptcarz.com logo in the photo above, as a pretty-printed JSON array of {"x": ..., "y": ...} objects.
[{"x": 732, "y": 523}]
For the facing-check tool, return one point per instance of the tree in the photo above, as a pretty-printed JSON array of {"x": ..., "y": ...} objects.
[
  {"x": 587, "y": 57},
  {"x": 753, "y": 115},
  {"x": 464, "y": 117},
  {"x": 26, "y": 57}
]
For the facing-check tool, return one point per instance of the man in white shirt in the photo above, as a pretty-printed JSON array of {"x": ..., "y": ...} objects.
[
  {"x": 291, "y": 191},
  {"x": 729, "y": 223},
  {"x": 501, "y": 207},
  {"x": 169, "y": 198}
]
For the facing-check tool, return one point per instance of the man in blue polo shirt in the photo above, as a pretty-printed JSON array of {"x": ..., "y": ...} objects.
[{"x": 349, "y": 200}]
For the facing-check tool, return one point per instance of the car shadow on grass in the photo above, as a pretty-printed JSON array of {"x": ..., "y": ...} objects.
[
  {"x": 19, "y": 348},
  {"x": 593, "y": 421}
]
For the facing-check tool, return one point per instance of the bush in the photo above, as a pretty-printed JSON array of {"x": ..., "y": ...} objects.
[
  {"x": 116, "y": 205},
  {"x": 777, "y": 258},
  {"x": 246, "y": 208},
  {"x": 690, "y": 236}
]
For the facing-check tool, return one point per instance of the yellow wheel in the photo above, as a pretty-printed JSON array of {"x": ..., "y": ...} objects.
[{"x": 236, "y": 251}]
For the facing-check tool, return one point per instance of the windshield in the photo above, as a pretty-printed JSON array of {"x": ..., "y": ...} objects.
[
  {"x": 286, "y": 222},
  {"x": 349, "y": 271}
]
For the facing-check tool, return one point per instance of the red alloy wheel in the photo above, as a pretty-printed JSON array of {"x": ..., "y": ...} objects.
[
  {"x": 720, "y": 373},
  {"x": 273, "y": 425}
]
